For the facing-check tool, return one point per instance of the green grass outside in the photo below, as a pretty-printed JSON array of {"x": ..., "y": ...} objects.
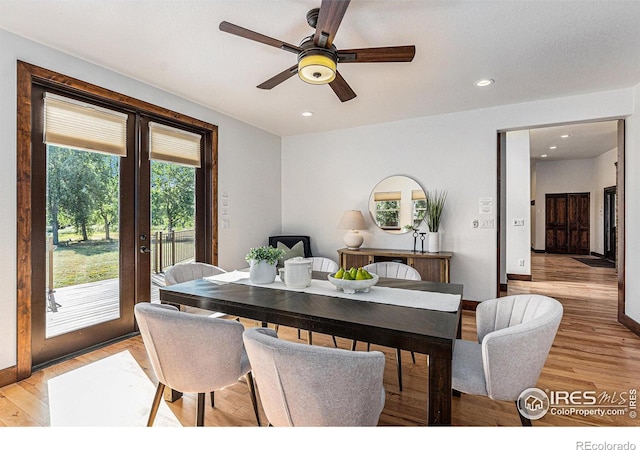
[
  {"x": 85, "y": 262},
  {"x": 80, "y": 262}
]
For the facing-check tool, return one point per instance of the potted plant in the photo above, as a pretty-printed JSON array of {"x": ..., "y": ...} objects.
[
  {"x": 435, "y": 206},
  {"x": 262, "y": 263}
]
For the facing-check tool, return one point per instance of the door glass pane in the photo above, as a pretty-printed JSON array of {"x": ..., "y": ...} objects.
[
  {"x": 172, "y": 219},
  {"x": 82, "y": 239}
]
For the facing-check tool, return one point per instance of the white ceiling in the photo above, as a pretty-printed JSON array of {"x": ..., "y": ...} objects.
[
  {"x": 533, "y": 50},
  {"x": 584, "y": 140}
]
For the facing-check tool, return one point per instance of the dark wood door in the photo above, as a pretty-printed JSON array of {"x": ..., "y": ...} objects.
[
  {"x": 579, "y": 223},
  {"x": 567, "y": 223},
  {"x": 556, "y": 223}
]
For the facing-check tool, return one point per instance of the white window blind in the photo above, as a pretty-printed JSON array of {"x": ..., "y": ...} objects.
[
  {"x": 418, "y": 195},
  {"x": 386, "y": 196},
  {"x": 174, "y": 145},
  {"x": 79, "y": 125}
]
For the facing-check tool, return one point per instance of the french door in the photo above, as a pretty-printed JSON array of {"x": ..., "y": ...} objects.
[
  {"x": 567, "y": 223},
  {"x": 97, "y": 212}
]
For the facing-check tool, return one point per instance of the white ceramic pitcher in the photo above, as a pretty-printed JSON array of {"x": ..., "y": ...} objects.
[{"x": 297, "y": 272}]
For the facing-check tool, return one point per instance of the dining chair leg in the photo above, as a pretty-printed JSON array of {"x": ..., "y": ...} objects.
[
  {"x": 368, "y": 346},
  {"x": 523, "y": 420},
  {"x": 353, "y": 346},
  {"x": 309, "y": 337},
  {"x": 335, "y": 343},
  {"x": 252, "y": 392},
  {"x": 213, "y": 400},
  {"x": 299, "y": 334},
  {"x": 399, "y": 364},
  {"x": 413, "y": 357},
  {"x": 156, "y": 404},
  {"x": 200, "y": 410}
]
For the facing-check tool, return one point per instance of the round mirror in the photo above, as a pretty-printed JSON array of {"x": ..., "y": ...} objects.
[{"x": 397, "y": 204}]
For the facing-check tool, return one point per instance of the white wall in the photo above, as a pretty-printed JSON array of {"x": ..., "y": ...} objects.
[
  {"x": 578, "y": 175},
  {"x": 249, "y": 168},
  {"x": 604, "y": 176},
  {"x": 557, "y": 177},
  {"x": 327, "y": 173},
  {"x": 632, "y": 212},
  {"x": 518, "y": 193}
]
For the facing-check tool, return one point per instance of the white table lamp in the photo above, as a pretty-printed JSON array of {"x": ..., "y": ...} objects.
[{"x": 353, "y": 221}]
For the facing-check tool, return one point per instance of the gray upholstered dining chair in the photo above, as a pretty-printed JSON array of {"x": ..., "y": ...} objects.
[
  {"x": 515, "y": 335},
  {"x": 392, "y": 269},
  {"x": 307, "y": 386},
  {"x": 322, "y": 264},
  {"x": 193, "y": 354},
  {"x": 183, "y": 272}
]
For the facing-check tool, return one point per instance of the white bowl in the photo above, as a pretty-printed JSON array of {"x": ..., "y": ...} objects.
[{"x": 353, "y": 286}]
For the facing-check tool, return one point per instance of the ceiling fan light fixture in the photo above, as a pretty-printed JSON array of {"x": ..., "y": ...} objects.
[{"x": 317, "y": 68}]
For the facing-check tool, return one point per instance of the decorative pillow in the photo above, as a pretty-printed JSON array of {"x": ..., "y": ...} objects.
[{"x": 296, "y": 250}]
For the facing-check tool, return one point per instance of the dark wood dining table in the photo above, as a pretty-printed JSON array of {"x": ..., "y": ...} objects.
[{"x": 425, "y": 331}]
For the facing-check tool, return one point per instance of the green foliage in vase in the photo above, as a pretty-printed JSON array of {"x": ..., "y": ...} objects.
[
  {"x": 268, "y": 254},
  {"x": 435, "y": 206}
]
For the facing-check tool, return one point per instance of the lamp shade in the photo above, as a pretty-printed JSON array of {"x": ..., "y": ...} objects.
[{"x": 352, "y": 220}]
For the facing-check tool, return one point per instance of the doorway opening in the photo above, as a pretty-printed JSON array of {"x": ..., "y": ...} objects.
[{"x": 567, "y": 186}]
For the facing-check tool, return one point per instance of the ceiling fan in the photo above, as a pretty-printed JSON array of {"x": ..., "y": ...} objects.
[{"x": 318, "y": 58}]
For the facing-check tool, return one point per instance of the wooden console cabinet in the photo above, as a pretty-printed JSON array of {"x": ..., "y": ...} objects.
[{"x": 432, "y": 266}]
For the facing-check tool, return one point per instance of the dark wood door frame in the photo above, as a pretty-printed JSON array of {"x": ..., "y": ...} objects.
[
  {"x": 27, "y": 75},
  {"x": 610, "y": 238},
  {"x": 621, "y": 205}
]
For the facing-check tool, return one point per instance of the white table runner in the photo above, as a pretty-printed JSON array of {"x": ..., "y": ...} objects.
[{"x": 378, "y": 294}]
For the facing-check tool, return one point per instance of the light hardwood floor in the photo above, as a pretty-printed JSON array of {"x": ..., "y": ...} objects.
[{"x": 591, "y": 352}]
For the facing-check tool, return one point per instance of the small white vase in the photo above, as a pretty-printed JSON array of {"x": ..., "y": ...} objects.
[
  {"x": 433, "y": 242},
  {"x": 261, "y": 272}
]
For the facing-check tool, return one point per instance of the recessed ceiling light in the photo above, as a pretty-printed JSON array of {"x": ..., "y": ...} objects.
[
  {"x": 564, "y": 136},
  {"x": 307, "y": 113},
  {"x": 484, "y": 82},
  {"x": 543, "y": 156},
  {"x": 553, "y": 147}
]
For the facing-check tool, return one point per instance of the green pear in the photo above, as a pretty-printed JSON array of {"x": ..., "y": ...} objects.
[
  {"x": 353, "y": 273},
  {"x": 360, "y": 274},
  {"x": 367, "y": 275},
  {"x": 347, "y": 276},
  {"x": 339, "y": 273}
]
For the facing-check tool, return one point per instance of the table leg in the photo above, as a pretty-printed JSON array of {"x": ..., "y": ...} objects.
[{"x": 439, "y": 410}]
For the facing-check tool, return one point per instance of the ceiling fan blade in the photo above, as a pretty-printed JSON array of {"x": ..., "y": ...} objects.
[
  {"x": 403, "y": 53},
  {"x": 329, "y": 18},
  {"x": 342, "y": 89},
  {"x": 248, "y": 34},
  {"x": 282, "y": 76}
]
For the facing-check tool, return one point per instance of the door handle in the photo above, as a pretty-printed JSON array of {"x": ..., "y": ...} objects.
[{"x": 144, "y": 249}]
